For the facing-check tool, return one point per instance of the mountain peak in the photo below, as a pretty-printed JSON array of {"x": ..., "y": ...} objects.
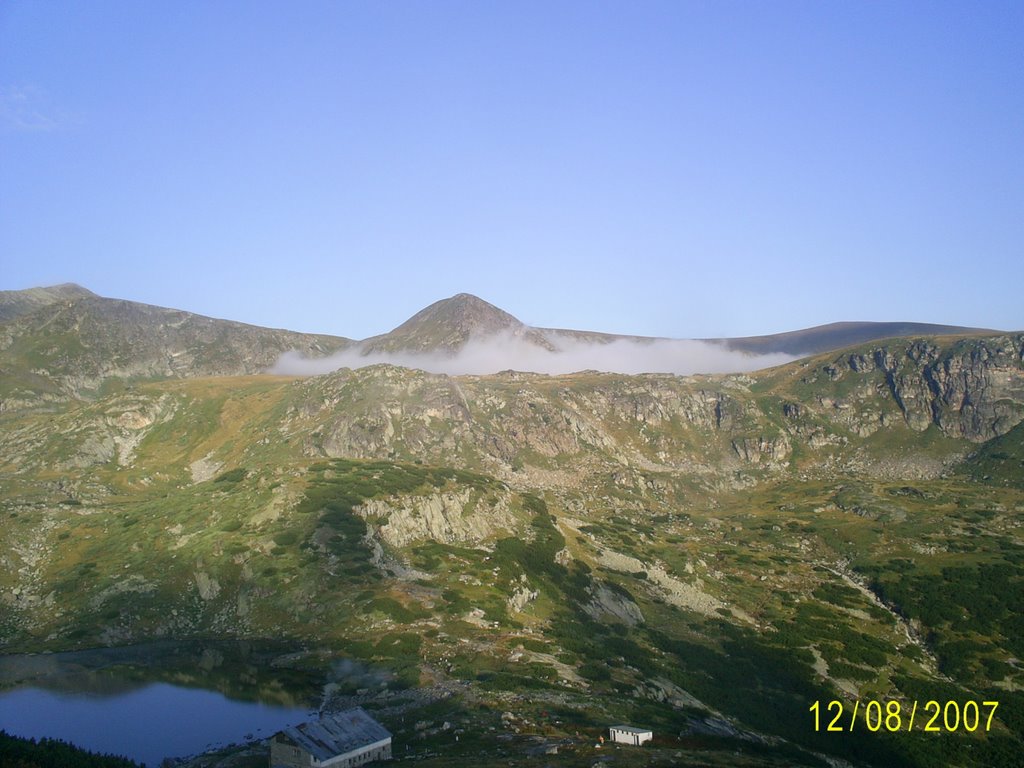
[
  {"x": 465, "y": 309},
  {"x": 464, "y": 297},
  {"x": 446, "y": 324},
  {"x": 14, "y": 304}
]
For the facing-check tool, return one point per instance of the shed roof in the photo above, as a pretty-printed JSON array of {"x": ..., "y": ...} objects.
[
  {"x": 336, "y": 734},
  {"x": 631, "y": 729}
]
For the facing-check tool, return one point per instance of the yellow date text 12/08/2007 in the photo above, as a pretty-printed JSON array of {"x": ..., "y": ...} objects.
[{"x": 893, "y": 716}]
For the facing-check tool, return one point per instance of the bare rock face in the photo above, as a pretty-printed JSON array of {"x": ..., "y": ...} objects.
[
  {"x": 609, "y": 604},
  {"x": 208, "y": 586},
  {"x": 971, "y": 390},
  {"x": 441, "y": 517},
  {"x": 522, "y": 597},
  {"x": 756, "y": 450},
  {"x": 667, "y": 692},
  {"x": 979, "y": 392},
  {"x": 861, "y": 363},
  {"x": 371, "y": 412}
]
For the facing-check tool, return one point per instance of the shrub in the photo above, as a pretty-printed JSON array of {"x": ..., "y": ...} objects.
[{"x": 232, "y": 476}]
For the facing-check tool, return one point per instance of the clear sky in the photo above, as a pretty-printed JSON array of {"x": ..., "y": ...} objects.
[{"x": 677, "y": 169}]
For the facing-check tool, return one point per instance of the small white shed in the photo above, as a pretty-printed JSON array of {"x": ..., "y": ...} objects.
[{"x": 627, "y": 734}]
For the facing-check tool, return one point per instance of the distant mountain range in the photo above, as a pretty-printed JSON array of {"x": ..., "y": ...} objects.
[
  {"x": 66, "y": 340},
  {"x": 448, "y": 324}
]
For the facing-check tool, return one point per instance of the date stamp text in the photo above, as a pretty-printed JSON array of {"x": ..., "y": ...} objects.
[{"x": 893, "y": 716}]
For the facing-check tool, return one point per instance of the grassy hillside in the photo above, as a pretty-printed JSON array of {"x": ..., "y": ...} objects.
[
  {"x": 708, "y": 556},
  {"x": 57, "y": 346}
]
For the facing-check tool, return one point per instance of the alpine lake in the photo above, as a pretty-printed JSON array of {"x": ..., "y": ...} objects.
[{"x": 166, "y": 699}]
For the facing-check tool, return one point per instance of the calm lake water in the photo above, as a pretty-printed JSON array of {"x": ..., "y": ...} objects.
[
  {"x": 152, "y": 702},
  {"x": 147, "y": 724}
]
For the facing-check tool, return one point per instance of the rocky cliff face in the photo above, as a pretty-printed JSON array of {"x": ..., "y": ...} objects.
[{"x": 970, "y": 389}]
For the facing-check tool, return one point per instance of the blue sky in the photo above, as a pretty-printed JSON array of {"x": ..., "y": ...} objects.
[{"x": 678, "y": 169}]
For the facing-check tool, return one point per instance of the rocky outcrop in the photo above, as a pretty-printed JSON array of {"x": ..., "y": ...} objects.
[
  {"x": 521, "y": 597},
  {"x": 668, "y": 587},
  {"x": 612, "y": 604},
  {"x": 204, "y": 469},
  {"x": 207, "y": 586},
  {"x": 379, "y": 412},
  {"x": 978, "y": 391},
  {"x": 757, "y": 450},
  {"x": 973, "y": 389},
  {"x": 515, "y": 419},
  {"x": 444, "y": 517},
  {"x": 666, "y": 692}
]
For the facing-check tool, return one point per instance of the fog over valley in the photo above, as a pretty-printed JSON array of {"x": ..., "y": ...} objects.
[{"x": 511, "y": 351}]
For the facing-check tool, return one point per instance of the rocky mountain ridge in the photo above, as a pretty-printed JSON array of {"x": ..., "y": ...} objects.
[
  {"x": 847, "y": 412},
  {"x": 65, "y": 342},
  {"x": 824, "y": 338},
  {"x": 71, "y": 347},
  {"x": 970, "y": 391},
  {"x": 14, "y": 304}
]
